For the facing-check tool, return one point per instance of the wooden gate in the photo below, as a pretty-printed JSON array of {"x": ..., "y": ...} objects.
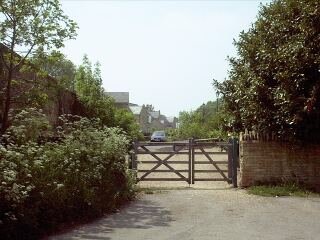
[{"x": 189, "y": 161}]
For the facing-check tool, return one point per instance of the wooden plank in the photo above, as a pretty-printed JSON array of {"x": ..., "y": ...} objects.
[
  {"x": 193, "y": 159},
  {"x": 164, "y": 153},
  {"x": 218, "y": 144},
  {"x": 214, "y": 164},
  {"x": 176, "y": 172},
  {"x": 179, "y": 148},
  {"x": 209, "y": 171},
  {"x": 170, "y": 162},
  {"x": 230, "y": 151},
  {"x": 191, "y": 149},
  {"x": 163, "y": 179},
  {"x": 209, "y": 162},
  {"x": 134, "y": 160},
  {"x": 161, "y": 162},
  {"x": 163, "y": 171},
  {"x": 162, "y": 144},
  {"x": 234, "y": 163},
  {"x": 215, "y": 153},
  {"x": 212, "y": 179},
  {"x": 190, "y": 162},
  {"x": 148, "y": 151}
]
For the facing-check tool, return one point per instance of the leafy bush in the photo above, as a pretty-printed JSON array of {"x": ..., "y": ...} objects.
[
  {"x": 81, "y": 176},
  {"x": 273, "y": 85},
  {"x": 126, "y": 121},
  {"x": 172, "y": 134},
  {"x": 204, "y": 122},
  {"x": 29, "y": 124}
]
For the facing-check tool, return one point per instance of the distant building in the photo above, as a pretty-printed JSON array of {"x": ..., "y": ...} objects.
[
  {"x": 121, "y": 99},
  {"x": 172, "y": 122},
  {"x": 150, "y": 120},
  {"x": 142, "y": 117}
]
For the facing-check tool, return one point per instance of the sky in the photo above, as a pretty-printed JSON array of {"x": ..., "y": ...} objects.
[{"x": 164, "y": 53}]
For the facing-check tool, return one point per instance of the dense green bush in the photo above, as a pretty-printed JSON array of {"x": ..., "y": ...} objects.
[
  {"x": 273, "y": 84},
  {"x": 125, "y": 120},
  {"x": 42, "y": 185},
  {"x": 207, "y": 121}
]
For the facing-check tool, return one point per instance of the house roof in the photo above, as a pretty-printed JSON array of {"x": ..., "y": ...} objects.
[
  {"x": 154, "y": 114},
  {"x": 119, "y": 97},
  {"x": 135, "y": 109},
  {"x": 170, "y": 119}
]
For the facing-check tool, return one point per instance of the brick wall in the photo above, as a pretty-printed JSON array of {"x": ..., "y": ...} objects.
[{"x": 274, "y": 162}]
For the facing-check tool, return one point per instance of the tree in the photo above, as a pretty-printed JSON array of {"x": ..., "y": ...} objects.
[
  {"x": 61, "y": 74},
  {"x": 56, "y": 65},
  {"x": 125, "y": 120},
  {"x": 191, "y": 125},
  {"x": 24, "y": 27},
  {"x": 274, "y": 82},
  {"x": 205, "y": 122},
  {"x": 88, "y": 86}
]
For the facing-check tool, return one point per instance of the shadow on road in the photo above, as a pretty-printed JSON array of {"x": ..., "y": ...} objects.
[{"x": 142, "y": 214}]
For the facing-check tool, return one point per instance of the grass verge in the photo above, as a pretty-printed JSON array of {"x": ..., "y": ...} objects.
[{"x": 281, "y": 190}]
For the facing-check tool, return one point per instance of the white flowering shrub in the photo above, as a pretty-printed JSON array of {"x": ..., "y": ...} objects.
[
  {"x": 43, "y": 184},
  {"x": 29, "y": 124}
]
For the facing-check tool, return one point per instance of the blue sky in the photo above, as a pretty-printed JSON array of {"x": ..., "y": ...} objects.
[{"x": 164, "y": 53}]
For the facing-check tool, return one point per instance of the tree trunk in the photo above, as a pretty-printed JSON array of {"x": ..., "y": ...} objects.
[{"x": 7, "y": 103}]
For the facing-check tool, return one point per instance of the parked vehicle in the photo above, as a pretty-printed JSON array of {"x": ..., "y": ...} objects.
[{"x": 158, "y": 136}]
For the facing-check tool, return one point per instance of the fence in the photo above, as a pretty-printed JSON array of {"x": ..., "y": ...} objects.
[{"x": 186, "y": 161}]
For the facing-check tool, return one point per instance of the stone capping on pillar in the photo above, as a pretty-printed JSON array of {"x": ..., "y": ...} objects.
[{"x": 261, "y": 136}]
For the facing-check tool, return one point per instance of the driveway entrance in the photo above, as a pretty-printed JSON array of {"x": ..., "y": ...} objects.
[{"x": 189, "y": 161}]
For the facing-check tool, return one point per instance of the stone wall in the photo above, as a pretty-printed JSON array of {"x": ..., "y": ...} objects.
[
  {"x": 63, "y": 102},
  {"x": 263, "y": 162},
  {"x": 31, "y": 85}
]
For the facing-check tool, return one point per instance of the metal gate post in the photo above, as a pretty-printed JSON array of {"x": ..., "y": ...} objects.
[{"x": 234, "y": 162}]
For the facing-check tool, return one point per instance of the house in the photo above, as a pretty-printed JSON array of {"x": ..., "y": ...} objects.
[
  {"x": 121, "y": 99},
  {"x": 150, "y": 120},
  {"x": 172, "y": 122},
  {"x": 141, "y": 115}
]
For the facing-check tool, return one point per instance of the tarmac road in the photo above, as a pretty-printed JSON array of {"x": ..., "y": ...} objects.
[{"x": 206, "y": 214}]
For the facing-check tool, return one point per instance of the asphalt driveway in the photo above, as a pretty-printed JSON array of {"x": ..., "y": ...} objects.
[{"x": 202, "y": 214}]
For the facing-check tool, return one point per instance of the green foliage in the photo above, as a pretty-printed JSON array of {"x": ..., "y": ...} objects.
[
  {"x": 56, "y": 65},
  {"x": 83, "y": 175},
  {"x": 191, "y": 125},
  {"x": 88, "y": 86},
  {"x": 205, "y": 122},
  {"x": 26, "y": 26},
  {"x": 34, "y": 23},
  {"x": 273, "y": 84},
  {"x": 28, "y": 125},
  {"x": 88, "y": 81},
  {"x": 172, "y": 134},
  {"x": 126, "y": 121}
]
